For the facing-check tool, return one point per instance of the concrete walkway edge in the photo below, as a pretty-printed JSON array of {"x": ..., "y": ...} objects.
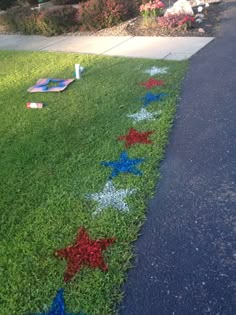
[{"x": 168, "y": 48}]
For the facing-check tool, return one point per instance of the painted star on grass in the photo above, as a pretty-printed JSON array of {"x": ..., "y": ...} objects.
[
  {"x": 144, "y": 114},
  {"x": 85, "y": 252},
  {"x": 58, "y": 305},
  {"x": 149, "y": 97},
  {"x": 124, "y": 165},
  {"x": 156, "y": 70},
  {"x": 152, "y": 83},
  {"x": 111, "y": 197},
  {"x": 135, "y": 136}
]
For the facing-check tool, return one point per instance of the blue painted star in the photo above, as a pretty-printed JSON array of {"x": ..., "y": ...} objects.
[
  {"x": 124, "y": 165},
  {"x": 58, "y": 305},
  {"x": 150, "y": 97}
]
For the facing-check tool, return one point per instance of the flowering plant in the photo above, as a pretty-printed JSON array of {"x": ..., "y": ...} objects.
[
  {"x": 152, "y": 9},
  {"x": 186, "y": 22},
  {"x": 176, "y": 20}
]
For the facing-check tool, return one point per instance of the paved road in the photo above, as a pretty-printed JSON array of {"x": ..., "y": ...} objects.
[{"x": 186, "y": 256}]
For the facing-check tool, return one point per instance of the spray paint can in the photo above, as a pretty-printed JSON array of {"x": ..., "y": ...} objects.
[
  {"x": 34, "y": 105},
  {"x": 77, "y": 71}
]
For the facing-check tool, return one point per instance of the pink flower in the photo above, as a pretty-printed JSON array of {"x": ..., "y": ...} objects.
[
  {"x": 151, "y": 6},
  {"x": 141, "y": 8},
  {"x": 160, "y": 4}
]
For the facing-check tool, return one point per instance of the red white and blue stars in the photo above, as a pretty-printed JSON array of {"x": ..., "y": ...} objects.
[{"x": 87, "y": 252}]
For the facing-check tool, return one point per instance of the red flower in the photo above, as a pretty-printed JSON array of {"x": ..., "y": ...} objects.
[{"x": 186, "y": 19}]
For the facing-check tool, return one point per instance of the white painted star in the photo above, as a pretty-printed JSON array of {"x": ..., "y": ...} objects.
[
  {"x": 143, "y": 114},
  {"x": 156, "y": 70},
  {"x": 111, "y": 197}
]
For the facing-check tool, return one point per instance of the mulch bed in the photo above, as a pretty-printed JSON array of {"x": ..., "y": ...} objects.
[
  {"x": 136, "y": 27},
  {"x": 209, "y": 25}
]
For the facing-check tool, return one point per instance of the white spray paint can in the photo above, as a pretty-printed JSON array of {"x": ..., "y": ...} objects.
[{"x": 77, "y": 71}]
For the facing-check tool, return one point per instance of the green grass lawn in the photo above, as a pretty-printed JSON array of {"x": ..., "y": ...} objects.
[{"x": 50, "y": 160}]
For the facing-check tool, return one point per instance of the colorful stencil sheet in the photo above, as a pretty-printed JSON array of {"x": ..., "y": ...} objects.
[{"x": 43, "y": 85}]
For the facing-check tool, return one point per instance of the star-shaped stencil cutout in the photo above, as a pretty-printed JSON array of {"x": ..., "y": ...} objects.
[
  {"x": 111, "y": 197},
  {"x": 134, "y": 136},
  {"x": 150, "y": 97},
  {"x": 58, "y": 305},
  {"x": 152, "y": 83},
  {"x": 84, "y": 252},
  {"x": 124, "y": 165},
  {"x": 44, "y": 85},
  {"x": 156, "y": 70},
  {"x": 144, "y": 114}
]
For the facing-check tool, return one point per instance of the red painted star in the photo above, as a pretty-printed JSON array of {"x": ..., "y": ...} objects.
[
  {"x": 135, "y": 136},
  {"x": 85, "y": 252},
  {"x": 151, "y": 83}
]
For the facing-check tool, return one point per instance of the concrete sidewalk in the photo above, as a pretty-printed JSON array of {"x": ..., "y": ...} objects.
[{"x": 168, "y": 48}]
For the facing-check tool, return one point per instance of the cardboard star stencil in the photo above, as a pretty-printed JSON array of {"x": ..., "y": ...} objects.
[
  {"x": 111, "y": 197},
  {"x": 134, "y": 136},
  {"x": 43, "y": 85},
  {"x": 84, "y": 252},
  {"x": 144, "y": 114},
  {"x": 58, "y": 305},
  {"x": 152, "y": 83}
]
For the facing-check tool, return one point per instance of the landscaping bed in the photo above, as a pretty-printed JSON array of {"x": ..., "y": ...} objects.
[
  {"x": 209, "y": 26},
  {"x": 67, "y": 20}
]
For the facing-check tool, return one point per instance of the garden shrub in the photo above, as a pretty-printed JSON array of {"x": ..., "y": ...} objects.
[
  {"x": 33, "y": 2},
  {"x": 21, "y": 19},
  {"x": 176, "y": 20},
  {"x": 64, "y": 2},
  {"x": 5, "y": 4},
  {"x": 54, "y": 21},
  {"x": 98, "y": 14}
]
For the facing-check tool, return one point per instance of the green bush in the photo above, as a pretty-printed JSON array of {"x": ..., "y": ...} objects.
[
  {"x": 5, "y": 4},
  {"x": 21, "y": 19},
  {"x": 64, "y": 2},
  {"x": 94, "y": 14},
  {"x": 54, "y": 21},
  {"x": 32, "y": 2},
  {"x": 98, "y": 14}
]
